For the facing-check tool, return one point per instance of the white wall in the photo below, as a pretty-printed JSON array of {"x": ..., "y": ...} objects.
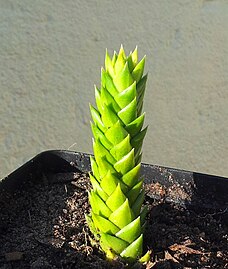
[{"x": 50, "y": 57}]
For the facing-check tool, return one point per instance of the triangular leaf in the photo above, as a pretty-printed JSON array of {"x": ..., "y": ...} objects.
[
  {"x": 134, "y": 250},
  {"x": 108, "y": 64},
  {"x": 131, "y": 231},
  {"x": 134, "y": 192},
  {"x": 123, "y": 79},
  {"x": 97, "y": 118},
  {"x": 128, "y": 113},
  {"x": 135, "y": 126},
  {"x": 131, "y": 177},
  {"x": 109, "y": 117},
  {"x": 101, "y": 151},
  {"x": 94, "y": 168},
  {"x": 114, "y": 58},
  {"x": 97, "y": 133},
  {"x": 98, "y": 99},
  {"x": 107, "y": 99},
  {"x": 126, "y": 163},
  {"x": 122, "y": 216},
  {"x": 111, "y": 242},
  {"x": 98, "y": 205},
  {"x": 104, "y": 225},
  {"x": 136, "y": 207},
  {"x": 97, "y": 188},
  {"x": 116, "y": 133},
  {"x": 121, "y": 149},
  {"x": 104, "y": 166},
  {"x": 109, "y": 183},
  {"x": 126, "y": 96},
  {"x": 137, "y": 140},
  {"x": 120, "y": 62},
  {"x": 141, "y": 85},
  {"x": 138, "y": 70},
  {"x": 116, "y": 199},
  {"x": 109, "y": 85}
]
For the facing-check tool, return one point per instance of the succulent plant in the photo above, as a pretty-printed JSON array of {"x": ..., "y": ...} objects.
[{"x": 117, "y": 195}]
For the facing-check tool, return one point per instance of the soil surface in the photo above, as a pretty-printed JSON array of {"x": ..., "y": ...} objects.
[{"x": 43, "y": 226}]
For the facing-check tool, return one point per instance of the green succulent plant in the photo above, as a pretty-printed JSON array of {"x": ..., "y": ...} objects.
[{"x": 116, "y": 199}]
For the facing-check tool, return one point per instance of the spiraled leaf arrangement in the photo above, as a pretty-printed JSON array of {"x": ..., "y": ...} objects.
[{"x": 117, "y": 195}]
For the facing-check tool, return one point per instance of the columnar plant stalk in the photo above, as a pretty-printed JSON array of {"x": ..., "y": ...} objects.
[{"x": 117, "y": 196}]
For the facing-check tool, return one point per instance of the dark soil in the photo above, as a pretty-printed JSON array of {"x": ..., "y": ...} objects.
[{"x": 43, "y": 226}]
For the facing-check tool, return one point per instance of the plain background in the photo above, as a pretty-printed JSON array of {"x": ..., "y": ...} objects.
[{"x": 50, "y": 57}]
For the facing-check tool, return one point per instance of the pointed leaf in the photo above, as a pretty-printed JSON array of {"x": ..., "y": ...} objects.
[
  {"x": 120, "y": 62},
  {"x": 98, "y": 99},
  {"x": 116, "y": 199},
  {"x": 141, "y": 85},
  {"x": 126, "y": 163},
  {"x": 126, "y": 96},
  {"x": 121, "y": 149},
  {"x": 131, "y": 177},
  {"x": 123, "y": 79},
  {"x": 97, "y": 188},
  {"x": 134, "y": 56},
  {"x": 104, "y": 166},
  {"x": 146, "y": 257},
  {"x": 122, "y": 216},
  {"x": 134, "y": 250},
  {"x": 134, "y": 192},
  {"x": 136, "y": 207},
  {"x": 98, "y": 205},
  {"x": 94, "y": 168},
  {"x": 143, "y": 215},
  {"x": 135, "y": 126},
  {"x": 132, "y": 59},
  {"x": 139, "y": 109},
  {"x": 131, "y": 65},
  {"x": 109, "y": 183},
  {"x": 116, "y": 133},
  {"x": 106, "y": 98},
  {"x": 128, "y": 113},
  {"x": 130, "y": 232},
  {"x": 113, "y": 243},
  {"x": 92, "y": 226},
  {"x": 137, "y": 140},
  {"x": 109, "y": 117},
  {"x": 97, "y": 133},
  {"x": 97, "y": 118},
  {"x": 101, "y": 151},
  {"x": 138, "y": 158},
  {"x": 138, "y": 70},
  {"x": 108, "y": 64},
  {"x": 109, "y": 85},
  {"x": 103, "y": 77},
  {"x": 114, "y": 58},
  {"x": 104, "y": 225}
]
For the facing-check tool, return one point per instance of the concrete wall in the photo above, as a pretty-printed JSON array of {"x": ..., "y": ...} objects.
[{"x": 50, "y": 57}]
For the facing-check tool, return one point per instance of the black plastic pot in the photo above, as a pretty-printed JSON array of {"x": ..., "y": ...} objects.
[
  {"x": 196, "y": 189},
  {"x": 200, "y": 193}
]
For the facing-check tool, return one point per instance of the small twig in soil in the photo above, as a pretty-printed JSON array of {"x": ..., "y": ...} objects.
[
  {"x": 30, "y": 219},
  {"x": 77, "y": 186},
  {"x": 215, "y": 214},
  {"x": 65, "y": 186}
]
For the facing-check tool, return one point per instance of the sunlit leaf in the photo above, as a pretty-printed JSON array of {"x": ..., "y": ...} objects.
[
  {"x": 122, "y": 216},
  {"x": 112, "y": 242},
  {"x": 131, "y": 231},
  {"x": 104, "y": 225},
  {"x": 134, "y": 250}
]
